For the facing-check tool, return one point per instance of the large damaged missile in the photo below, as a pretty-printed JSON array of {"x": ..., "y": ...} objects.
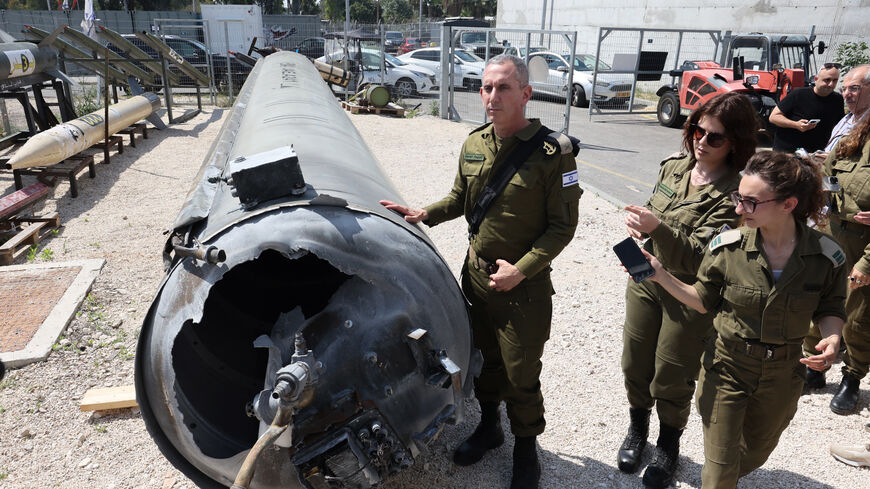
[
  {"x": 303, "y": 336},
  {"x": 58, "y": 143}
]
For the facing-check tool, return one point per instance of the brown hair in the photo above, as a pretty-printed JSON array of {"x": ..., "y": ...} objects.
[
  {"x": 791, "y": 176},
  {"x": 853, "y": 142},
  {"x": 740, "y": 120}
]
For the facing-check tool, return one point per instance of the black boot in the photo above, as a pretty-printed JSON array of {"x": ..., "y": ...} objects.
[
  {"x": 486, "y": 436},
  {"x": 846, "y": 399},
  {"x": 660, "y": 473},
  {"x": 815, "y": 379},
  {"x": 527, "y": 467},
  {"x": 632, "y": 447}
]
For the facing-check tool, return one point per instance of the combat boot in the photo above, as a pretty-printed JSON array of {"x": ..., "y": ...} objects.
[
  {"x": 846, "y": 399},
  {"x": 486, "y": 436},
  {"x": 628, "y": 458},
  {"x": 815, "y": 379},
  {"x": 660, "y": 473},
  {"x": 527, "y": 467}
]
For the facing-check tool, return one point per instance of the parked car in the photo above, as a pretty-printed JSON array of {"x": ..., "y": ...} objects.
[
  {"x": 475, "y": 41},
  {"x": 393, "y": 40},
  {"x": 311, "y": 47},
  {"x": 405, "y": 80},
  {"x": 467, "y": 68},
  {"x": 548, "y": 74},
  {"x": 410, "y": 44},
  {"x": 196, "y": 54},
  {"x": 521, "y": 51}
]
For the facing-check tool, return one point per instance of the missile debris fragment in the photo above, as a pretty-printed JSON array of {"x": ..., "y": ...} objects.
[{"x": 305, "y": 337}]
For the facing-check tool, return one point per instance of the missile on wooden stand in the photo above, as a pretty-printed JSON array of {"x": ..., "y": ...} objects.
[{"x": 70, "y": 138}]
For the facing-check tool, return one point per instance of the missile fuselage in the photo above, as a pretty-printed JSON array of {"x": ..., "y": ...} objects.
[
  {"x": 25, "y": 58},
  {"x": 292, "y": 294},
  {"x": 64, "y": 140}
]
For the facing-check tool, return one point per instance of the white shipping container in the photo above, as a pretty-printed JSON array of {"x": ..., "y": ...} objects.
[{"x": 232, "y": 27}]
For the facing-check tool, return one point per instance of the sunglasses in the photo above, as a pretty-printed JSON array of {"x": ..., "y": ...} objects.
[
  {"x": 828, "y": 66},
  {"x": 714, "y": 139},
  {"x": 748, "y": 204}
]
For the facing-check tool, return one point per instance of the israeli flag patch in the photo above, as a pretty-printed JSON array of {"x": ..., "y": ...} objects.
[{"x": 570, "y": 178}]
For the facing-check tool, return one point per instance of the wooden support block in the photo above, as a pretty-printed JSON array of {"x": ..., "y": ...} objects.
[
  {"x": 109, "y": 398},
  {"x": 28, "y": 235}
]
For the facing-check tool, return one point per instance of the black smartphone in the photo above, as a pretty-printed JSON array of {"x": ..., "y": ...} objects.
[{"x": 633, "y": 260}]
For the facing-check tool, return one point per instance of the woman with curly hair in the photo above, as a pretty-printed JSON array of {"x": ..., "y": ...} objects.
[
  {"x": 764, "y": 283},
  {"x": 662, "y": 339}
]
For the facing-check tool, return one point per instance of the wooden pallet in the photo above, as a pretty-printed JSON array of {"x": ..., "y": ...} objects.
[
  {"x": 68, "y": 169},
  {"x": 390, "y": 109},
  {"x": 106, "y": 145},
  {"x": 27, "y": 236},
  {"x": 132, "y": 130}
]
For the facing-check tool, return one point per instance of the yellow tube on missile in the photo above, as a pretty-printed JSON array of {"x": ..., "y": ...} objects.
[{"x": 70, "y": 138}]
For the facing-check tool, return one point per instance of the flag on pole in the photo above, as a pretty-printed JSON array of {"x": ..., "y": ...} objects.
[{"x": 89, "y": 22}]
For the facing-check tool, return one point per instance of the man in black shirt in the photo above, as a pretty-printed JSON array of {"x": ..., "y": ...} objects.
[{"x": 807, "y": 115}]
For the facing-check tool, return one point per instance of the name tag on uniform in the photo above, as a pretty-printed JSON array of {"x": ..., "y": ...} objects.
[
  {"x": 473, "y": 157},
  {"x": 666, "y": 190},
  {"x": 570, "y": 178}
]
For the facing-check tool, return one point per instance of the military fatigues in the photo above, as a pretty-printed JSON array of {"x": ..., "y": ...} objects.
[
  {"x": 532, "y": 220},
  {"x": 854, "y": 176},
  {"x": 663, "y": 339},
  {"x": 750, "y": 384}
]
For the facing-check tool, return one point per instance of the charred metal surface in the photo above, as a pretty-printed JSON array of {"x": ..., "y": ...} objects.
[{"x": 308, "y": 299}]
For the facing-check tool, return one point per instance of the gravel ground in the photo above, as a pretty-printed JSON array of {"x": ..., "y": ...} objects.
[{"x": 45, "y": 441}]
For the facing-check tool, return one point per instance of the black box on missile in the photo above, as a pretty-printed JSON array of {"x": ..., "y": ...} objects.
[{"x": 266, "y": 176}]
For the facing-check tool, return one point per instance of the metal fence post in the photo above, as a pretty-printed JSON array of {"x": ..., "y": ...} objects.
[{"x": 229, "y": 71}]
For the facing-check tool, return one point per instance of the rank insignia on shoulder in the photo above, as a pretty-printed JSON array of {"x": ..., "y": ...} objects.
[
  {"x": 832, "y": 250},
  {"x": 549, "y": 149},
  {"x": 556, "y": 142},
  {"x": 473, "y": 157},
  {"x": 725, "y": 238}
]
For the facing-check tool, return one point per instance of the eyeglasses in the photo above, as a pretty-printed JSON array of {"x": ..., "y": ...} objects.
[
  {"x": 828, "y": 66},
  {"x": 714, "y": 139},
  {"x": 748, "y": 204},
  {"x": 853, "y": 88}
]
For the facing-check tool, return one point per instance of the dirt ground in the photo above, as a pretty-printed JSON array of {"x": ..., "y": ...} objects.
[{"x": 47, "y": 442}]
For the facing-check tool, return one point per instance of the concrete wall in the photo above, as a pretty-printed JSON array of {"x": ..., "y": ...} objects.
[{"x": 835, "y": 20}]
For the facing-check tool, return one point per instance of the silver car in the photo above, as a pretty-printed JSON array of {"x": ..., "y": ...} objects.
[{"x": 548, "y": 74}]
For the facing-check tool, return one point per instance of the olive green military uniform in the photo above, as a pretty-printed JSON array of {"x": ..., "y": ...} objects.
[
  {"x": 532, "y": 220},
  {"x": 663, "y": 339},
  {"x": 751, "y": 383},
  {"x": 854, "y": 176}
]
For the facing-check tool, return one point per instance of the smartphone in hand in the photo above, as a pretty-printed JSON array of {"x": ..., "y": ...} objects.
[
  {"x": 813, "y": 121},
  {"x": 633, "y": 260}
]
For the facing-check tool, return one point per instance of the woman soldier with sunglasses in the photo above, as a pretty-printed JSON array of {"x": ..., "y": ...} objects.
[
  {"x": 662, "y": 339},
  {"x": 764, "y": 282},
  {"x": 849, "y": 162}
]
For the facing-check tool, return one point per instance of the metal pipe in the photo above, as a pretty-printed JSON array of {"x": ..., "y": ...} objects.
[{"x": 278, "y": 427}]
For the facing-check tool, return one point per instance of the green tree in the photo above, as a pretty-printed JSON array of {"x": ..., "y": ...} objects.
[
  {"x": 852, "y": 54},
  {"x": 333, "y": 9},
  {"x": 309, "y": 7},
  {"x": 453, "y": 8},
  {"x": 396, "y": 11},
  {"x": 363, "y": 11}
]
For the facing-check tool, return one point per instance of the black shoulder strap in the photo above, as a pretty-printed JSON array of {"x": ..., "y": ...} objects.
[{"x": 498, "y": 181}]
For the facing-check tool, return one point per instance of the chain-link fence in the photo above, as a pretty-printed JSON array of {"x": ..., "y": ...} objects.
[
  {"x": 550, "y": 56},
  {"x": 634, "y": 63}
]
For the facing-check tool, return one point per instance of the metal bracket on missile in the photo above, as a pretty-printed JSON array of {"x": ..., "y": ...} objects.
[{"x": 266, "y": 176}]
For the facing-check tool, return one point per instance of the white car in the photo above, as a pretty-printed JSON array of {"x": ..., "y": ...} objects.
[
  {"x": 467, "y": 68},
  {"x": 548, "y": 74},
  {"x": 406, "y": 80}
]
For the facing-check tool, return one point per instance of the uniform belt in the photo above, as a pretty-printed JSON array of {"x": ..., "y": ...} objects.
[
  {"x": 763, "y": 351},
  {"x": 480, "y": 263}
]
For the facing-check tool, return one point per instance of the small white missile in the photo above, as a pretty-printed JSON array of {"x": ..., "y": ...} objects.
[{"x": 70, "y": 138}]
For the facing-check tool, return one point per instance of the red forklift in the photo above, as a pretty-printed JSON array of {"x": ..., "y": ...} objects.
[{"x": 764, "y": 67}]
